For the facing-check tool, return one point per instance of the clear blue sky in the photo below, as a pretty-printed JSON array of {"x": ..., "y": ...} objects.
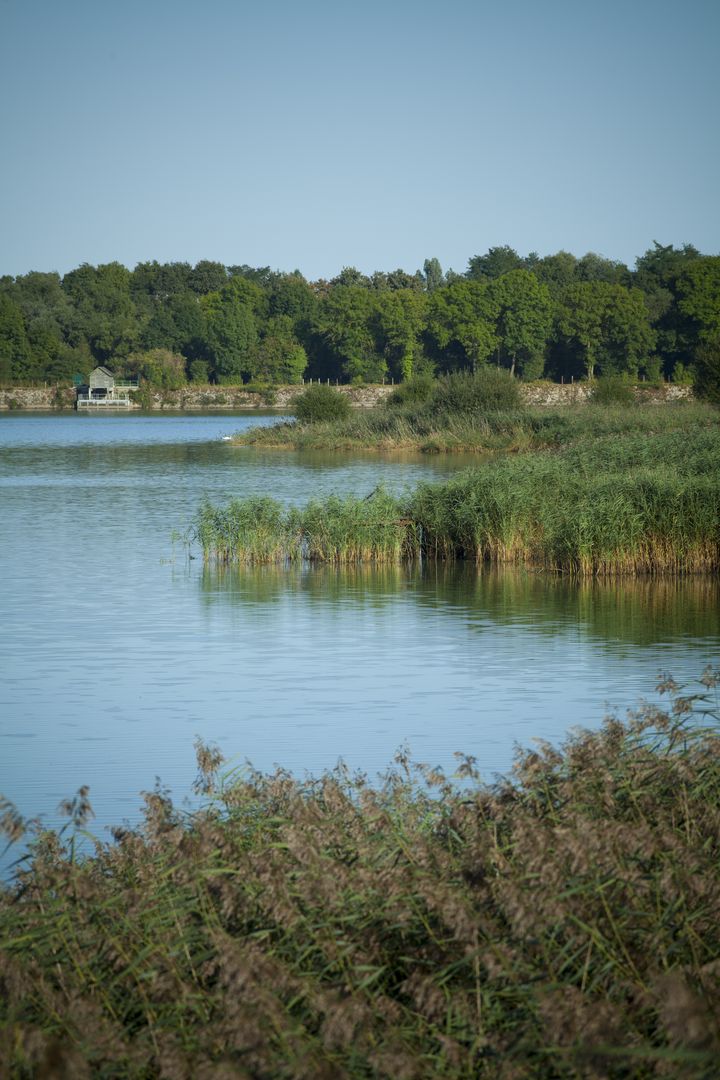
[{"x": 315, "y": 135}]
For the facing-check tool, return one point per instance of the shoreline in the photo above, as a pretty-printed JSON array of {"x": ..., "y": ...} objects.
[{"x": 61, "y": 398}]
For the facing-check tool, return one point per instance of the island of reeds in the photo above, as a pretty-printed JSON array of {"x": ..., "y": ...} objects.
[
  {"x": 601, "y": 489},
  {"x": 561, "y": 922}
]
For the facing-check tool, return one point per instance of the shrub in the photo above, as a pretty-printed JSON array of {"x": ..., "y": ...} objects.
[
  {"x": 490, "y": 390},
  {"x": 683, "y": 374},
  {"x": 415, "y": 391},
  {"x": 612, "y": 390},
  {"x": 320, "y": 404}
]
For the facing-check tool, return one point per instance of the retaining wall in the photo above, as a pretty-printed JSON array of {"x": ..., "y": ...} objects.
[{"x": 235, "y": 398}]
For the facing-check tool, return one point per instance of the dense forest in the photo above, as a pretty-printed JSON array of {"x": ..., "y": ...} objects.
[{"x": 558, "y": 317}]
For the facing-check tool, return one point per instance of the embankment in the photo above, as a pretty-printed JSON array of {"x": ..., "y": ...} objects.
[{"x": 237, "y": 398}]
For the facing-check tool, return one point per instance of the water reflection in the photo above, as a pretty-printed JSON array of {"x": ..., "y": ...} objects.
[
  {"x": 639, "y": 613},
  {"x": 118, "y": 649}
]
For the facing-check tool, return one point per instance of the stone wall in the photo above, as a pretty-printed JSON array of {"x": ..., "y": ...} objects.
[
  {"x": 37, "y": 397},
  {"x": 553, "y": 394},
  {"x": 235, "y": 398},
  {"x": 228, "y": 398}
]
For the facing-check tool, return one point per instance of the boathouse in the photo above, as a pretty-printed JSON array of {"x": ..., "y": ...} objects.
[{"x": 104, "y": 391}]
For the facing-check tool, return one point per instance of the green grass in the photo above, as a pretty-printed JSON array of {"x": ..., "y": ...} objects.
[
  {"x": 614, "y": 503},
  {"x": 431, "y": 427},
  {"x": 563, "y": 922}
]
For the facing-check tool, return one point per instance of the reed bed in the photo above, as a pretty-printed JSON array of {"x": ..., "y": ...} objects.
[
  {"x": 334, "y": 530},
  {"x": 251, "y": 530},
  {"x": 433, "y": 428},
  {"x": 379, "y": 429},
  {"x": 562, "y": 922},
  {"x": 633, "y": 504}
]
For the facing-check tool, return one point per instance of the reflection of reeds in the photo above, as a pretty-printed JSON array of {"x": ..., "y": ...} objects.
[
  {"x": 624, "y": 505},
  {"x": 636, "y": 610},
  {"x": 562, "y": 923}
]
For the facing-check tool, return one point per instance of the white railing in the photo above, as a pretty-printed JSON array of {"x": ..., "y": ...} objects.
[{"x": 84, "y": 401}]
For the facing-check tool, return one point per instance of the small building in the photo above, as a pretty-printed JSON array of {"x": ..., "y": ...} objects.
[{"x": 104, "y": 391}]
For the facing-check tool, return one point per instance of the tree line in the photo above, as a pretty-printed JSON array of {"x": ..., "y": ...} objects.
[{"x": 558, "y": 317}]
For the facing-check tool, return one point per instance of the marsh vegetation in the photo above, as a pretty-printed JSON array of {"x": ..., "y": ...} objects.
[
  {"x": 476, "y": 413},
  {"x": 602, "y": 490},
  {"x": 563, "y": 921}
]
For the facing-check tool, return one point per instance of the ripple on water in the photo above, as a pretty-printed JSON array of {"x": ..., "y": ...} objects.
[{"x": 118, "y": 650}]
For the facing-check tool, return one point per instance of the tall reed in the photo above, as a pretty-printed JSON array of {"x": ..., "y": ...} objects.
[
  {"x": 628, "y": 504},
  {"x": 563, "y": 922}
]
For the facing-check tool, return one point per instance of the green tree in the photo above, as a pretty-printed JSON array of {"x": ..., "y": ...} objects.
[
  {"x": 160, "y": 367},
  {"x": 231, "y": 335},
  {"x": 15, "y": 355},
  {"x": 290, "y": 294},
  {"x": 280, "y": 358},
  {"x": 434, "y": 277},
  {"x": 698, "y": 292},
  {"x": 104, "y": 311},
  {"x": 556, "y": 271},
  {"x": 608, "y": 325},
  {"x": 657, "y": 273},
  {"x": 72, "y": 361},
  {"x": 592, "y": 267},
  {"x": 159, "y": 281},
  {"x": 707, "y": 370},
  {"x": 260, "y": 275},
  {"x": 350, "y": 275},
  {"x": 47, "y": 349},
  {"x": 524, "y": 320},
  {"x": 400, "y": 319},
  {"x": 207, "y": 277},
  {"x": 178, "y": 324},
  {"x": 464, "y": 315},
  {"x": 43, "y": 303},
  {"x": 496, "y": 261},
  {"x": 250, "y": 294},
  {"x": 345, "y": 322},
  {"x": 396, "y": 279}
]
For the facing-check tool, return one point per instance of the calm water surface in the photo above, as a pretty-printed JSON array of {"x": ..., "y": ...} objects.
[{"x": 119, "y": 649}]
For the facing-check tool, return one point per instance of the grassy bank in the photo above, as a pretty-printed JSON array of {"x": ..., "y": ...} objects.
[
  {"x": 613, "y": 503},
  {"x": 563, "y": 922},
  {"x": 451, "y": 430}
]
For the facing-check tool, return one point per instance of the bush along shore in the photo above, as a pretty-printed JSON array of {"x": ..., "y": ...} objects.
[
  {"x": 562, "y": 922},
  {"x": 615, "y": 504},
  {"x": 468, "y": 413}
]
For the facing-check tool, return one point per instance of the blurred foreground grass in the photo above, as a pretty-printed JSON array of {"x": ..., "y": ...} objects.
[{"x": 561, "y": 922}]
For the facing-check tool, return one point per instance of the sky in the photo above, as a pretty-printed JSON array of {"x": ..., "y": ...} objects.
[{"x": 318, "y": 135}]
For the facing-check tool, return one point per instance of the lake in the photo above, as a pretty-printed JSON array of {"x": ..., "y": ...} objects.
[{"x": 119, "y": 648}]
